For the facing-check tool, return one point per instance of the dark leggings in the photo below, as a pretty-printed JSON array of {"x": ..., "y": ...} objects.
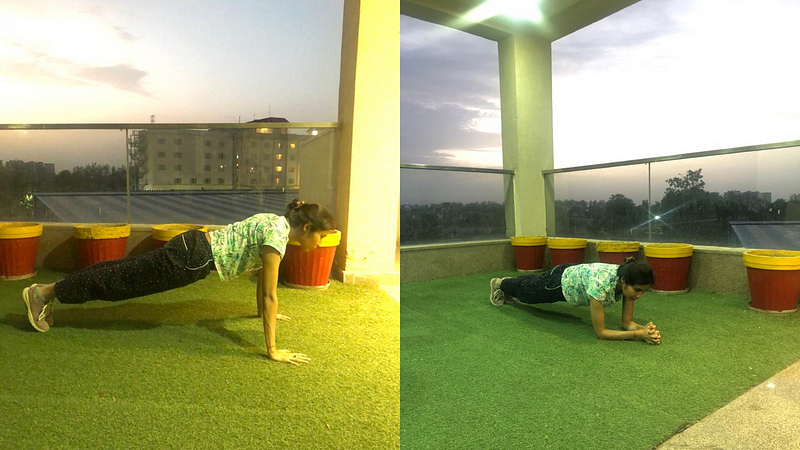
[
  {"x": 181, "y": 261},
  {"x": 537, "y": 288}
]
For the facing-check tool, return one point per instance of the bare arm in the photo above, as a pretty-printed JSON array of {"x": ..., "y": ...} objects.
[
  {"x": 627, "y": 316},
  {"x": 599, "y": 324},
  {"x": 267, "y": 293}
]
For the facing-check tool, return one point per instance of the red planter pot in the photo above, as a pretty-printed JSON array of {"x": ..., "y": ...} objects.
[
  {"x": 774, "y": 278},
  {"x": 19, "y": 244},
  {"x": 93, "y": 251},
  {"x": 670, "y": 263},
  {"x": 566, "y": 250},
  {"x": 615, "y": 252},
  {"x": 529, "y": 252},
  {"x": 615, "y": 257},
  {"x": 310, "y": 270},
  {"x": 100, "y": 242}
]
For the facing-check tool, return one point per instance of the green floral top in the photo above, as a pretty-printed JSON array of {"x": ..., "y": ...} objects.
[
  {"x": 237, "y": 247},
  {"x": 596, "y": 280}
]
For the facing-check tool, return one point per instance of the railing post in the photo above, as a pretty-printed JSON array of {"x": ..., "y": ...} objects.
[
  {"x": 128, "y": 174},
  {"x": 649, "y": 204}
]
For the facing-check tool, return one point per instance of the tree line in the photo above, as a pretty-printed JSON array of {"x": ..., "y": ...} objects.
[{"x": 686, "y": 212}]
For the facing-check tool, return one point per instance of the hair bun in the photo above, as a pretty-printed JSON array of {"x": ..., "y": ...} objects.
[{"x": 628, "y": 259}]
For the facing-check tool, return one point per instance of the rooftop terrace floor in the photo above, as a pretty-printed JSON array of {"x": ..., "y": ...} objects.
[
  {"x": 478, "y": 376},
  {"x": 186, "y": 369}
]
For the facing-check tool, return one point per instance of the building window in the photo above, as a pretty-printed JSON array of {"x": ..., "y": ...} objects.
[
  {"x": 192, "y": 180},
  {"x": 277, "y": 181},
  {"x": 278, "y": 169},
  {"x": 177, "y": 155},
  {"x": 222, "y": 156},
  {"x": 279, "y": 156},
  {"x": 162, "y": 141},
  {"x": 208, "y": 143},
  {"x": 291, "y": 169},
  {"x": 207, "y": 181},
  {"x": 291, "y": 180},
  {"x": 162, "y": 154},
  {"x": 292, "y": 157},
  {"x": 162, "y": 167},
  {"x": 207, "y": 168},
  {"x": 178, "y": 167},
  {"x": 220, "y": 180},
  {"x": 253, "y": 181},
  {"x": 267, "y": 156},
  {"x": 291, "y": 145},
  {"x": 208, "y": 155},
  {"x": 221, "y": 168},
  {"x": 267, "y": 144},
  {"x": 177, "y": 181},
  {"x": 280, "y": 144},
  {"x": 178, "y": 141},
  {"x": 252, "y": 170},
  {"x": 221, "y": 144},
  {"x": 253, "y": 144}
]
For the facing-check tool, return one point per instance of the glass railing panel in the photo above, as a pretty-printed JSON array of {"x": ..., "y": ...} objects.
[
  {"x": 608, "y": 203},
  {"x": 207, "y": 176},
  {"x": 445, "y": 206},
  {"x": 739, "y": 200}
]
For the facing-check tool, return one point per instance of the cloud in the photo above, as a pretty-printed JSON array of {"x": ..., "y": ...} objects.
[
  {"x": 125, "y": 35},
  {"x": 33, "y": 64},
  {"x": 449, "y": 89},
  {"x": 121, "y": 76}
]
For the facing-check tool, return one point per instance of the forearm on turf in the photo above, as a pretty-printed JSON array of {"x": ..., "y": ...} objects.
[
  {"x": 632, "y": 326},
  {"x": 616, "y": 335}
]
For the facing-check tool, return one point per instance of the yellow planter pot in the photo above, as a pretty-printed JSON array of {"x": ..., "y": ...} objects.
[
  {"x": 617, "y": 247},
  {"x": 772, "y": 259},
  {"x": 668, "y": 250},
  {"x": 168, "y": 231},
  {"x": 528, "y": 241},
  {"x": 566, "y": 243},
  {"x": 101, "y": 231},
  {"x": 331, "y": 240},
  {"x": 20, "y": 230}
]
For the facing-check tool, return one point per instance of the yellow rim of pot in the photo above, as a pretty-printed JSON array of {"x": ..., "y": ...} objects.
[
  {"x": 20, "y": 230},
  {"x": 528, "y": 241},
  {"x": 331, "y": 240},
  {"x": 168, "y": 231},
  {"x": 566, "y": 243},
  {"x": 617, "y": 247},
  {"x": 668, "y": 250},
  {"x": 772, "y": 259},
  {"x": 101, "y": 231}
]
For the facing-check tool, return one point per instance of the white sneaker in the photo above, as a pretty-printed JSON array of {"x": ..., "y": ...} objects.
[{"x": 496, "y": 296}]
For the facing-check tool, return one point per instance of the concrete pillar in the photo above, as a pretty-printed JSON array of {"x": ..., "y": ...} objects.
[
  {"x": 368, "y": 181},
  {"x": 526, "y": 108}
]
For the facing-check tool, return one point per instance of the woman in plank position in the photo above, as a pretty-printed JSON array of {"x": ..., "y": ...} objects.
[
  {"x": 256, "y": 243},
  {"x": 596, "y": 285}
]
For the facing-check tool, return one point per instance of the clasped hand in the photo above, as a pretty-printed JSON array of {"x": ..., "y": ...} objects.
[{"x": 651, "y": 334}]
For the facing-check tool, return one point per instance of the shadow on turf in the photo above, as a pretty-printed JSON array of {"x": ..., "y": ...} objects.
[{"x": 139, "y": 316}]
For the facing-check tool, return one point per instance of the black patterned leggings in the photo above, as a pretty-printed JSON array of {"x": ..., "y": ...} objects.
[
  {"x": 186, "y": 258},
  {"x": 537, "y": 288}
]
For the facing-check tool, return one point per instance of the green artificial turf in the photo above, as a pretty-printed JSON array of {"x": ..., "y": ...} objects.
[
  {"x": 186, "y": 369},
  {"x": 476, "y": 376}
]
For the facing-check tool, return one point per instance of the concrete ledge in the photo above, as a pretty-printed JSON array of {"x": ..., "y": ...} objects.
[{"x": 713, "y": 269}]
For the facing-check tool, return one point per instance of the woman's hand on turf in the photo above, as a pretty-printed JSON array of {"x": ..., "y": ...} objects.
[
  {"x": 283, "y": 318},
  {"x": 651, "y": 335},
  {"x": 289, "y": 357}
]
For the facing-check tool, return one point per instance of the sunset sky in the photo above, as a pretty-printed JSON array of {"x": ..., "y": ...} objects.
[
  {"x": 660, "y": 77},
  {"x": 182, "y": 61}
]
